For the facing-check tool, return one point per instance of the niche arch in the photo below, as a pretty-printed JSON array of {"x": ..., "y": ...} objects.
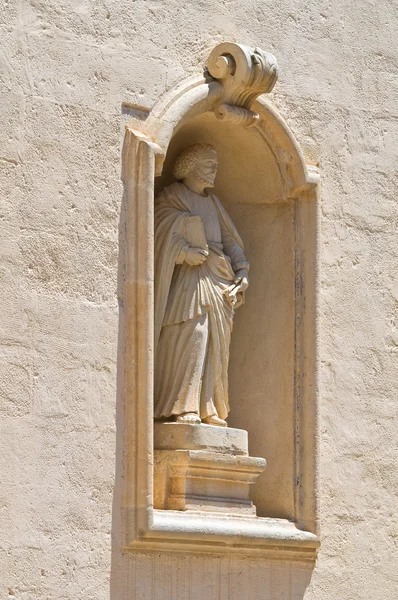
[{"x": 271, "y": 194}]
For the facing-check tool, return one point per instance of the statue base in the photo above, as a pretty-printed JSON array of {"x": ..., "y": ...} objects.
[{"x": 204, "y": 468}]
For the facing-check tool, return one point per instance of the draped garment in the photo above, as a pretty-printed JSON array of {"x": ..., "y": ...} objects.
[{"x": 193, "y": 317}]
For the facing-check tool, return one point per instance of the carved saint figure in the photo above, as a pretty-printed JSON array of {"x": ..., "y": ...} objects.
[{"x": 201, "y": 274}]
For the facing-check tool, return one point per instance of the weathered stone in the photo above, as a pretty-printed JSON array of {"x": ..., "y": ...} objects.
[
  {"x": 183, "y": 436},
  {"x": 72, "y": 75},
  {"x": 202, "y": 481}
]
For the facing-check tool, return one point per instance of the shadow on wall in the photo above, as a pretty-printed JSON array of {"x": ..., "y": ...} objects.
[{"x": 119, "y": 580}]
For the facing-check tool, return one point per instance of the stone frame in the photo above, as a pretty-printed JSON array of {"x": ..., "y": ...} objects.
[{"x": 147, "y": 529}]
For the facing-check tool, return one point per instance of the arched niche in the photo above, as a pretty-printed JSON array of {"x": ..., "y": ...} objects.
[{"x": 271, "y": 195}]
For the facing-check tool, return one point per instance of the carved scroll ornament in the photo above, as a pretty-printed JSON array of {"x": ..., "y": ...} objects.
[{"x": 244, "y": 74}]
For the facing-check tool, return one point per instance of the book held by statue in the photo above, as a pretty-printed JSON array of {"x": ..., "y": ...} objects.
[{"x": 195, "y": 233}]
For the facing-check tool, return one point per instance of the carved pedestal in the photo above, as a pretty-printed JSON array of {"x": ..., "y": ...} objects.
[{"x": 204, "y": 468}]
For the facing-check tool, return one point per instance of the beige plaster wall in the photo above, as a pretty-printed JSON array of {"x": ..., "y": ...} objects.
[{"x": 65, "y": 69}]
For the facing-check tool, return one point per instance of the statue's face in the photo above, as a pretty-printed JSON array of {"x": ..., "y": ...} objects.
[{"x": 206, "y": 167}]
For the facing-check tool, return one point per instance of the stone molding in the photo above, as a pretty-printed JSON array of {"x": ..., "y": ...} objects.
[
  {"x": 176, "y": 531},
  {"x": 149, "y": 529}
]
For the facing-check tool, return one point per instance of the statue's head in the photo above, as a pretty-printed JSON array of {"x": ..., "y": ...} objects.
[{"x": 198, "y": 161}]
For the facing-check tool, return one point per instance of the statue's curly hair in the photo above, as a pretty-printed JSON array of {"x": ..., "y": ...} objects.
[{"x": 186, "y": 161}]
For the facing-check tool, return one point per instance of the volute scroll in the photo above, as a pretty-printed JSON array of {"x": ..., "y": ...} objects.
[{"x": 244, "y": 73}]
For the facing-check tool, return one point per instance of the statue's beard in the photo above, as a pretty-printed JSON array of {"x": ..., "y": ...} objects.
[{"x": 203, "y": 177}]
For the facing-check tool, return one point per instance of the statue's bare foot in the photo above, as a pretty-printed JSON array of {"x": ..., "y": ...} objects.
[
  {"x": 190, "y": 417},
  {"x": 214, "y": 420}
]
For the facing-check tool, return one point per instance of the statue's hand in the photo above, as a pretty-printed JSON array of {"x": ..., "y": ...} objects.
[
  {"x": 242, "y": 279},
  {"x": 196, "y": 256}
]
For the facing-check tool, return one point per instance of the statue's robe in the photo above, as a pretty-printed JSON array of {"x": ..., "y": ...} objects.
[{"x": 193, "y": 317}]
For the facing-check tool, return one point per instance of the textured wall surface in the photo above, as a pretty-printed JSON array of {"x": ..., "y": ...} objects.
[{"x": 65, "y": 69}]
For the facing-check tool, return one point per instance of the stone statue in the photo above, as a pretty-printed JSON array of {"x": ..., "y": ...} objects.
[{"x": 201, "y": 274}]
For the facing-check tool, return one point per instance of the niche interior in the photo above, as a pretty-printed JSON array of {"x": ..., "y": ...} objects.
[{"x": 261, "y": 370}]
